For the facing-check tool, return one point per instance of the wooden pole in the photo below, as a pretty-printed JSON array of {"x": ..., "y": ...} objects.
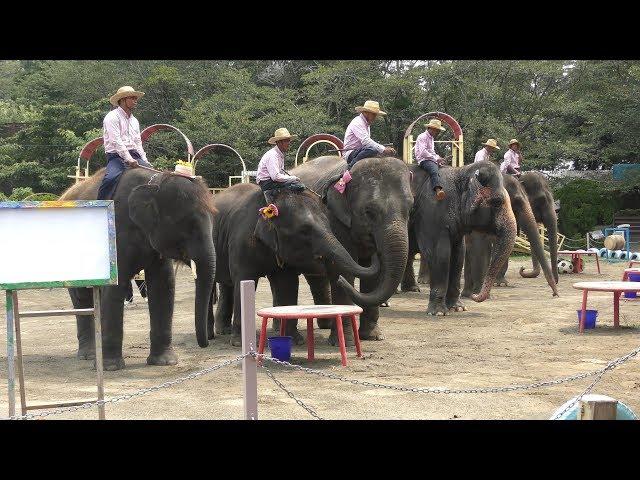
[
  {"x": 98, "y": 341},
  {"x": 597, "y": 407},
  {"x": 16, "y": 316},
  {"x": 249, "y": 367},
  {"x": 11, "y": 374}
]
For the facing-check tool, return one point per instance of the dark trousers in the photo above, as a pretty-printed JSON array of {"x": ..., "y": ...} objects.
[
  {"x": 432, "y": 169},
  {"x": 115, "y": 167},
  {"x": 270, "y": 188},
  {"x": 359, "y": 154}
]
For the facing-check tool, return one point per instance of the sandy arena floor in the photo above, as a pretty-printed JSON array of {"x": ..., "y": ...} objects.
[{"x": 519, "y": 336}]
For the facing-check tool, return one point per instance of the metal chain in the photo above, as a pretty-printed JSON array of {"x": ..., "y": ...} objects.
[
  {"x": 299, "y": 402},
  {"x": 128, "y": 396},
  {"x": 509, "y": 388},
  {"x": 613, "y": 364}
]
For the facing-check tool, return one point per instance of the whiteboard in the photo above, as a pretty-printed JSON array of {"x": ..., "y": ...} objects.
[{"x": 64, "y": 243}]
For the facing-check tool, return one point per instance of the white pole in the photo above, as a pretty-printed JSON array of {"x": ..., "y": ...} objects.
[
  {"x": 11, "y": 379},
  {"x": 249, "y": 365}
]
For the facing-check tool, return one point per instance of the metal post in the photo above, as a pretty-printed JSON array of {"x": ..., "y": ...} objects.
[
  {"x": 98, "y": 340},
  {"x": 11, "y": 379},
  {"x": 249, "y": 367},
  {"x": 16, "y": 319}
]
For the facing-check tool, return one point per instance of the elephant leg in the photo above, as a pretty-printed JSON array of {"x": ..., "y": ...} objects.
[
  {"x": 369, "y": 328},
  {"x": 161, "y": 289},
  {"x": 321, "y": 293},
  {"x": 423, "y": 273},
  {"x": 476, "y": 262},
  {"x": 236, "y": 327},
  {"x": 112, "y": 311},
  {"x": 501, "y": 281},
  {"x": 439, "y": 263},
  {"x": 224, "y": 310},
  {"x": 409, "y": 279},
  {"x": 284, "y": 289},
  {"x": 83, "y": 298},
  {"x": 340, "y": 297},
  {"x": 455, "y": 273}
]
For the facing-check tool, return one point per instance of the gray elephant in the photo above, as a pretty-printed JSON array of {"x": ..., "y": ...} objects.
[
  {"x": 476, "y": 201},
  {"x": 544, "y": 211},
  {"x": 158, "y": 217},
  {"x": 478, "y": 245},
  {"x": 370, "y": 219},
  {"x": 299, "y": 239}
]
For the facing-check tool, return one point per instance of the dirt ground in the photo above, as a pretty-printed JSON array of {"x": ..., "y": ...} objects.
[{"x": 519, "y": 336}]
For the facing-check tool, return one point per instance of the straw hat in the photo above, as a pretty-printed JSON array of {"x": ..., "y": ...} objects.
[
  {"x": 512, "y": 141},
  {"x": 435, "y": 123},
  {"x": 280, "y": 134},
  {"x": 371, "y": 106},
  {"x": 492, "y": 143},
  {"x": 124, "y": 92}
]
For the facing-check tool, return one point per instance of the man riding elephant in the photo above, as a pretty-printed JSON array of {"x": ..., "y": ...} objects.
[
  {"x": 271, "y": 176},
  {"x": 485, "y": 153},
  {"x": 512, "y": 159}
]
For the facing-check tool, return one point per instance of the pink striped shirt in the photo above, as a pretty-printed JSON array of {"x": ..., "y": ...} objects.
[
  {"x": 121, "y": 133},
  {"x": 482, "y": 155},
  {"x": 358, "y": 135},
  {"x": 425, "y": 149},
  {"x": 271, "y": 167},
  {"x": 511, "y": 159}
]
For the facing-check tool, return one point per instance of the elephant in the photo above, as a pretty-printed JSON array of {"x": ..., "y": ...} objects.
[
  {"x": 544, "y": 211},
  {"x": 370, "y": 219},
  {"x": 476, "y": 200},
  {"x": 158, "y": 217},
  {"x": 299, "y": 239},
  {"x": 478, "y": 245}
]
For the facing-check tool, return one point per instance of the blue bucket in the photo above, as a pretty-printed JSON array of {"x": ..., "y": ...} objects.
[
  {"x": 281, "y": 348},
  {"x": 590, "y": 318},
  {"x": 633, "y": 277}
]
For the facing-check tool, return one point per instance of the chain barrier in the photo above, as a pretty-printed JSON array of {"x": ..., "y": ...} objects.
[
  {"x": 128, "y": 396},
  {"x": 299, "y": 402}
]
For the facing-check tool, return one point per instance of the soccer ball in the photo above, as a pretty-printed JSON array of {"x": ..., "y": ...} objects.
[{"x": 565, "y": 266}]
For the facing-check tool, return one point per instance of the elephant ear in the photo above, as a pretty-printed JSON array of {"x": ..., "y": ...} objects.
[
  {"x": 143, "y": 208},
  {"x": 337, "y": 204}
]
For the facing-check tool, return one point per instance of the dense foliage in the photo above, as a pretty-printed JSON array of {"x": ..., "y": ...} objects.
[{"x": 580, "y": 111}]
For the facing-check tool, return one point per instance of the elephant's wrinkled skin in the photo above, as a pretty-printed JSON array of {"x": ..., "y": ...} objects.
[
  {"x": 544, "y": 211},
  {"x": 476, "y": 201},
  {"x": 478, "y": 245},
  {"x": 248, "y": 247},
  {"x": 157, "y": 219},
  {"x": 370, "y": 219}
]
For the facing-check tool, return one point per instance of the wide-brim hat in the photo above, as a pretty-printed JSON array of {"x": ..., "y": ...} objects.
[
  {"x": 124, "y": 92},
  {"x": 435, "y": 123},
  {"x": 512, "y": 141},
  {"x": 280, "y": 134},
  {"x": 371, "y": 106},
  {"x": 492, "y": 143}
]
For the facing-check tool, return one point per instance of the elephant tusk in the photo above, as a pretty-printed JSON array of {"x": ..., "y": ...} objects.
[{"x": 194, "y": 272}]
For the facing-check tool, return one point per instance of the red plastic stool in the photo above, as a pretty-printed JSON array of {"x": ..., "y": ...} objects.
[{"x": 309, "y": 312}]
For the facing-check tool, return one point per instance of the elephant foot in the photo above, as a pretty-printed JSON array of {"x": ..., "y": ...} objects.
[
  {"x": 385, "y": 304},
  {"x": 222, "y": 329},
  {"x": 298, "y": 339},
  {"x": 501, "y": 282},
  {"x": 371, "y": 332},
  {"x": 457, "y": 307},
  {"x": 87, "y": 352},
  {"x": 437, "y": 308},
  {"x": 348, "y": 337},
  {"x": 110, "y": 364},
  {"x": 466, "y": 293},
  {"x": 236, "y": 340},
  {"x": 410, "y": 288},
  {"x": 168, "y": 357},
  {"x": 324, "y": 323},
  {"x": 423, "y": 280}
]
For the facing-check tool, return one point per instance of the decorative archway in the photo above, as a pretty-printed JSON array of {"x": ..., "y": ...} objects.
[
  {"x": 457, "y": 144},
  {"x": 89, "y": 149},
  {"x": 244, "y": 176},
  {"x": 316, "y": 139}
]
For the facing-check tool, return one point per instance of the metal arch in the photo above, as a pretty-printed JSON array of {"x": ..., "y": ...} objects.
[
  {"x": 313, "y": 140},
  {"x": 213, "y": 146},
  {"x": 147, "y": 132},
  {"x": 448, "y": 119}
]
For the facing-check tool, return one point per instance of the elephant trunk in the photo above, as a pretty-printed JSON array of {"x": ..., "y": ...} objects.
[
  {"x": 333, "y": 250},
  {"x": 502, "y": 247},
  {"x": 392, "y": 244},
  {"x": 528, "y": 224},
  {"x": 205, "y": 261}
]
